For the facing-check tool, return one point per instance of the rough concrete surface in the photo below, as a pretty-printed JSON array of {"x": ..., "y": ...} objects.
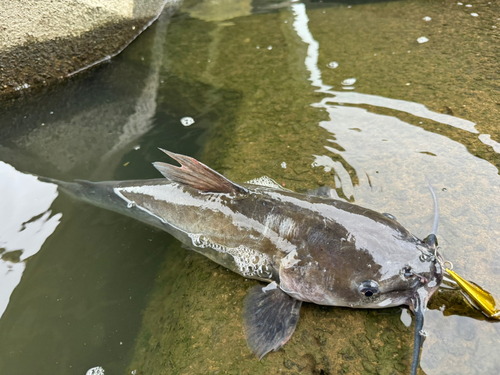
[{"x": 45, "y": 40}]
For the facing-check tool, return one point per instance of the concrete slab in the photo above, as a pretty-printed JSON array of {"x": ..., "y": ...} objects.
[{"x": 41, "y": 41}]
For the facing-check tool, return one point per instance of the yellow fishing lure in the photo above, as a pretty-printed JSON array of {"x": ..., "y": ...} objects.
[{"x": 477, "y": 296}]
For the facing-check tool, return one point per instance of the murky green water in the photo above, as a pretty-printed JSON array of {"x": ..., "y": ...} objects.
[{"x": 322, "y": 94}]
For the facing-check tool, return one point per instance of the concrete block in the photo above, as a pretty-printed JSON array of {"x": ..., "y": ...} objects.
[{"x": 45, "y": 40}]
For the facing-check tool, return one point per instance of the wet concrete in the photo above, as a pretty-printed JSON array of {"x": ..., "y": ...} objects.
[
  {"x": 67, "y": 137},
  {"x": 42, "y": 42}
]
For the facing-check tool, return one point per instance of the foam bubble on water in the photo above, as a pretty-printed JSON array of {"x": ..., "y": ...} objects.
[
  {"x": 187, "y": 121},
  {"x": 95, "y": 371},
  {"x": 349, "y": 81},
  {"x": 332, "y": 64},
  {"x": 422, "y": 39}
]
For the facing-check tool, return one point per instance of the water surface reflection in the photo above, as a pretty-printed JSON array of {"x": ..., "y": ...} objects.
[
  {"x": 264, "y": 100},
  {"x": 74, "y": 279},
  {"x": 383, "y": 162},
  {"x": 25, "y": 228}
]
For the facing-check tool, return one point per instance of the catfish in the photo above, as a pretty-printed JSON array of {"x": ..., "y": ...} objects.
[{"x": 305, "y": 248}]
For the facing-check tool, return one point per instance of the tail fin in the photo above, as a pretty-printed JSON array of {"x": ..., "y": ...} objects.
[
  {"x": 102, "y": 194},
  {"x": 81, "y": 189}
]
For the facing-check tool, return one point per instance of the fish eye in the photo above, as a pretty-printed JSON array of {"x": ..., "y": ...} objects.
[{"x": 368, "y": 288}]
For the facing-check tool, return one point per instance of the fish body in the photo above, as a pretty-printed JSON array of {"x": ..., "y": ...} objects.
[{"x": 308, "y": 248}]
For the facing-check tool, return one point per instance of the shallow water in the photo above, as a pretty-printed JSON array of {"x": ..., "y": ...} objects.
[{"x": 310, "y": 95}]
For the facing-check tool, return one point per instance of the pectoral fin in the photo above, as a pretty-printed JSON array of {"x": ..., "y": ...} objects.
[{"x": 270, "y": 317}]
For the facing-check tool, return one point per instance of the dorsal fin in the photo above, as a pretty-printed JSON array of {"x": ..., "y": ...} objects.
[{"x": 196, "y": 175}]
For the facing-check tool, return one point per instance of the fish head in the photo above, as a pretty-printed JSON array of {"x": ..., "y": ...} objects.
[
  {"x": 362, "y": 278},
  {"x": 410, "y": 280},
  {"x": 378, "y": 278}
]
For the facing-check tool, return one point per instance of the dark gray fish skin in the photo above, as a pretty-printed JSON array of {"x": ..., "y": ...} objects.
[{"x": 316, "y": 249}]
